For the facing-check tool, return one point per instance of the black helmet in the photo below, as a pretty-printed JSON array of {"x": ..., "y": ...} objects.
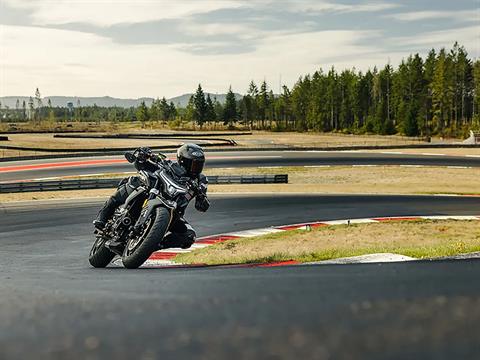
[{"x": 192, "y": 158}]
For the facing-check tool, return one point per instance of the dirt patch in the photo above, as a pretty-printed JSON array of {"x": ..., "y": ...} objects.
[{"x": 418, "y": 239}]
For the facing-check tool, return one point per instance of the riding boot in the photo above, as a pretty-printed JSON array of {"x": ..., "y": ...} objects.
[{"x": 105, "y": 213}]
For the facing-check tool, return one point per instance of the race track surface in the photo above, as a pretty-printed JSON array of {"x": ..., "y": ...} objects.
[
  {"x": 235, "y": 159},
  {"x": 53, "y": 305}
]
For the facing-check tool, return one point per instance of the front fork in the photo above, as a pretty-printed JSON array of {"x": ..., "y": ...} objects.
[{"x": 154, "y": 201}]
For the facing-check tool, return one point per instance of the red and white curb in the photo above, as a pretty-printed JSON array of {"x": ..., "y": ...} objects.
[{"x": 164, "y": 258}]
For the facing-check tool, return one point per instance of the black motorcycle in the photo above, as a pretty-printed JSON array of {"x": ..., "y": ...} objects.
[{"x": 137, "y": 227}]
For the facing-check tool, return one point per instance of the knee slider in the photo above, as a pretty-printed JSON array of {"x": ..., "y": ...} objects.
[{"x": 189, "y": 239}]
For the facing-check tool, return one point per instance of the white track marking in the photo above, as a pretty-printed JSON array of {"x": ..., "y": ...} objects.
[
  {"x": 346, "y": 222},
  {"x": 432, "y": 154},
  {"x": 256, "y": 232},
  {"x": 446, "y": 217},
  {"x": 365, "y": 259}
]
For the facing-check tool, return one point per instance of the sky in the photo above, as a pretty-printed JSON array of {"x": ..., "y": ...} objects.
[{"x": 155, "y": 48}]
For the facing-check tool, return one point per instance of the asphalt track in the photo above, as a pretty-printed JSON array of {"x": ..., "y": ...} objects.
[
  {"x": 10, "y": 171},
  {"x": 54, "y": 306}
]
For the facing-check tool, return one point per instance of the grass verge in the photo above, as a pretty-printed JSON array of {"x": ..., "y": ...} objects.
[{"x": 418, "y": 239}]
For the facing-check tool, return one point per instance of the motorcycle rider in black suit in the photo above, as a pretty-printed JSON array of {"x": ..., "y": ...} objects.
[{"x": 187, "y": 168}]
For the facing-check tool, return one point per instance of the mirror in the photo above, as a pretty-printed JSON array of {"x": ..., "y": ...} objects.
[{"x": 130, "y": 157}]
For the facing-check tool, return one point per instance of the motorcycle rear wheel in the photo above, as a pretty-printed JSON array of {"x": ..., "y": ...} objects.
[
  {"x": 138, "y": 250},
  {"x": 100, "y": 256}
]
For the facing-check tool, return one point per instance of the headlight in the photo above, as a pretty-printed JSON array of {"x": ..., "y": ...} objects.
[
  {"x": 171, "y": 188},
  {"x": 144, "y": 178}
]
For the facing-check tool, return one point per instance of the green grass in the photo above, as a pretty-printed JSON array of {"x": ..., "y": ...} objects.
[{"x": 417, "y": 239}]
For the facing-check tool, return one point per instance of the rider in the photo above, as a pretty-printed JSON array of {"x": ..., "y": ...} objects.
[{"x": 190, "y": 161}]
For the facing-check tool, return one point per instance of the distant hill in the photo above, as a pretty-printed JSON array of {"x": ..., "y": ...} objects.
[{"x": 105, "y": 101}]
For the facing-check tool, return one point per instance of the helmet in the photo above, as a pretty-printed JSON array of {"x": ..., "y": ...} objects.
[{"x": 192, "y": 158}]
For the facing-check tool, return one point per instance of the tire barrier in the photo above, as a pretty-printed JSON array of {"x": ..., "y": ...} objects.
[
  {"x": 3, "y": 138},
  {"x": 88, "y": 184}
]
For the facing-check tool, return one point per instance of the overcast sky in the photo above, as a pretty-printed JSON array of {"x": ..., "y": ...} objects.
[{"x": 127, "y": 48}]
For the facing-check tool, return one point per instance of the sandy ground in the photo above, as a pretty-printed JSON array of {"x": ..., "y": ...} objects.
[
  {"x": 417, "y": 239},
  {"x": 264, "y": 138},
  {"x": 332, "y": 180}
]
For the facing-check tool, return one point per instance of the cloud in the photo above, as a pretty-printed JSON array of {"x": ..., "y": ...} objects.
[
  {"x": 464, "y": 15},
  {"x": 156, "y": 48},
  {"x": 156, "y": 70},
  {"x": 467, "y": 36},
  {"x": 325, "y": 6},
  {"x": 110, "y": 12}
]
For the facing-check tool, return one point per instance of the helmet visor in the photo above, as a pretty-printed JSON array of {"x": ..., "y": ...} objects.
[{"x": 196, "y": 166}]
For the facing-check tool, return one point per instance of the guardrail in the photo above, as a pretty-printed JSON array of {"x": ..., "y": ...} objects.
[{"x": 87, "y": 184}]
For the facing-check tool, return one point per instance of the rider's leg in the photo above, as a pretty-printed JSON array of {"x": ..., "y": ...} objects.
[
  {"x": 117, "y": 199},
  {"x": 181, "y": 235}
]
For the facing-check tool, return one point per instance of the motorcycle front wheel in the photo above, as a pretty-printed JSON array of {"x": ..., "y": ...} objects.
[
  {"x": 100, "y": 256},
  {"x": 139, "y": 249}
]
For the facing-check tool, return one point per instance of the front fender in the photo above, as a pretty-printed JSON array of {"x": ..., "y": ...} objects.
[{"x": 150, "y": 207}]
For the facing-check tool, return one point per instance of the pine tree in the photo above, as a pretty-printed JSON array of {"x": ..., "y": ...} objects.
[
  {"x": 210, "y": 110},
  {"x": 262, "y": 103},
  {"x": 200, "y": 106},
  {"x": 38, "y": 99},
  {"x": 172, "y": 111},
  {"x": 142, "y": 113},
  {"x": 476, "y": 93},
  {"x": 429, "y": 70},
  {"x": 164, "y": 110},
  {"x": 251, "y": 104},
  {"x": 190, "y": 109},
  {"x": 230, "y": 109},
  {"x": 441, "y": 92}
]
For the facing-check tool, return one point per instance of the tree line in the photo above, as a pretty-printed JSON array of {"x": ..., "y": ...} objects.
[
  {"x": 435, "y": 95},
  {"x": 438, "y": 95}
]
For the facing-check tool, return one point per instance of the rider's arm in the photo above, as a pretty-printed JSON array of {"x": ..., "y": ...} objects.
[{"x": 201, "y": 201}]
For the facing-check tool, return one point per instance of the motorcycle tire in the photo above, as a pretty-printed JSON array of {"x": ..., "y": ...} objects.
[
  {"x": 156, "y": 229},
  {"x": 100, "y": 256}
]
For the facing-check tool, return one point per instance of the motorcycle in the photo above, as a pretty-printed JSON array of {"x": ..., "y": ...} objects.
[{"x": 138, "y": 226}]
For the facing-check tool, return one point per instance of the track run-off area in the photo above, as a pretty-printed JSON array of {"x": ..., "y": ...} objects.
[{"x": 54, "y": 305}]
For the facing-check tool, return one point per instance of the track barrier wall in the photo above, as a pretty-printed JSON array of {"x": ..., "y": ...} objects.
[{"x": 87, "y": 184}]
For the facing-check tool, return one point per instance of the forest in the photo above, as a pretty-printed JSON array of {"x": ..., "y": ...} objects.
[{"x": 435, "y": 95}]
